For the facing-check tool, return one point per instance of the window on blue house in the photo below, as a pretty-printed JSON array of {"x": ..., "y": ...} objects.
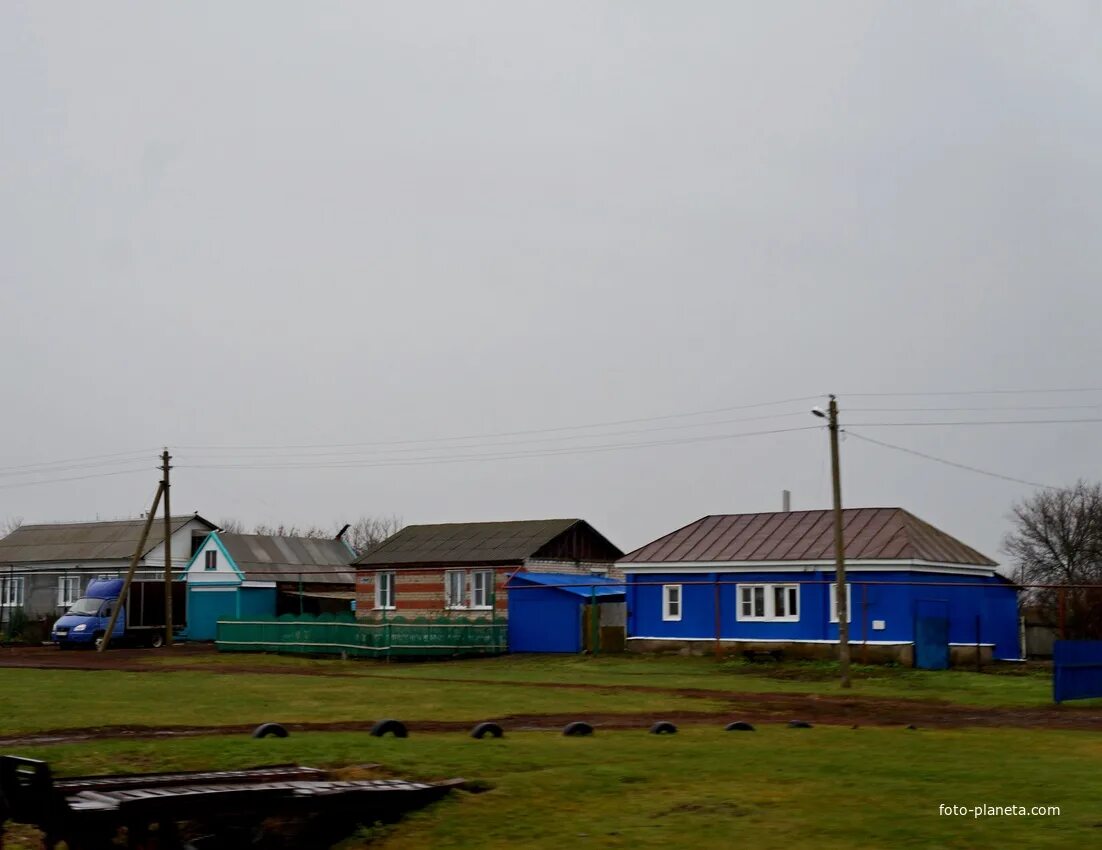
[
  {"x": 834, "y": 603},
  {"x": 671, "y": 602},
  {"x": 211, "y": 562},
  {"x": 769, "y": 602}
]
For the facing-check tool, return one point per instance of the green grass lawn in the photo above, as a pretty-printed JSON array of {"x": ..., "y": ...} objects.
[
  {"x": 831, "y": 787},
  {"x": 1003, "y": 685},
  {"x": 34, "y": 700}
]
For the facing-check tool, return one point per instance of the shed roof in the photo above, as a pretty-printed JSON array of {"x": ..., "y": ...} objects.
[
  {"x": 579, "y": 585},
  {"x": 268, "y": 557},
  {"x": 85, "y": 541},
  {"x": 870, "y": 534},
  {"x": 469, "y": 542}
]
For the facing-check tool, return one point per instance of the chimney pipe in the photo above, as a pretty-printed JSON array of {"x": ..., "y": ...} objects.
[{"x": 786, "y": 501}]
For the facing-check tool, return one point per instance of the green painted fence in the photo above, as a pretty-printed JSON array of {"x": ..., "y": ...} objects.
[{"x": 341, "y": 634}]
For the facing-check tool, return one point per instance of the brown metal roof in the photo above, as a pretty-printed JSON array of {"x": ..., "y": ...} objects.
[
  {"x": 871, "y": 534},
  {"x": 473, "y": 542},
  {"x": 85, "y": 541},
  {"x": 265, "y": 557}
]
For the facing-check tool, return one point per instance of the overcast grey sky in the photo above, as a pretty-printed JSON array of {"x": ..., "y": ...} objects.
[{"x": 271, "y": 224}]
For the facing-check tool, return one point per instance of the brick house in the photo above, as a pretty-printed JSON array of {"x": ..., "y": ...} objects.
[{"x": 461, "y": 569}]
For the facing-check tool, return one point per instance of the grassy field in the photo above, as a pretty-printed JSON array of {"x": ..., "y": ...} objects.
[
  {"x": 999, "y": 686},
  {"x": 831, "y": 786},
  {"x": 703, "y": 788}
]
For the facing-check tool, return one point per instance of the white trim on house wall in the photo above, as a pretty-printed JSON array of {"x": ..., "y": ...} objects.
[
  {"x": 804, "y": 567},
  {"x": 769, "y": 602},
  {"x": 788, "y": 640},
  {"x": 832, "y": 604},
  {"x": 669, "y": 604}
]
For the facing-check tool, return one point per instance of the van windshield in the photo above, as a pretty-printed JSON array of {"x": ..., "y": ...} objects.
[{"x": 86, "y": 607}]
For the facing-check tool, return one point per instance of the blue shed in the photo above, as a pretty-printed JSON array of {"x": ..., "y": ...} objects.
[
  {"x": 247, "y": 575},
  {"x": 546, "y": 610},
  {"x": 765, "y": 582}
]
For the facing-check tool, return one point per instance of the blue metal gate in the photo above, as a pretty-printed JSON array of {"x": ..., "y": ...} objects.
[
  {"x": 931, "y": 634},
  {"x": 1076, "y": 669}
]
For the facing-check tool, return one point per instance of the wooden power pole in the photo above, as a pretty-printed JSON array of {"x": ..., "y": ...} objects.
[
  {"x": 165, "y": 458},
  {"x": 123, "y": 594},
  {"x": 841, "y": 603}
]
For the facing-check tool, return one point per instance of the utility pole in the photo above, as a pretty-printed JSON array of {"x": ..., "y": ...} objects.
[
  {"x": 840, "y": 594},
  {"x": 165, "y": 458},
  {"x": 124, "y": 596}
]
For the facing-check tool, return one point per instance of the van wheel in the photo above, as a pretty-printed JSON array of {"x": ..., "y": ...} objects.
[{"x": 156, "y": 639}]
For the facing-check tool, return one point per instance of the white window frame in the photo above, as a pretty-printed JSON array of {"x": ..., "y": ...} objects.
[
  {"x": 672, "y": 607},
  {"x": 385, "y": 596},
  {"x": 455, "y": 601},
  {"x": 210, "y": 559},
  {"x": 769, "y": 608},
  {"x": 832, "y": 601},
  {"x": 487, "y": 578},
  {"x": 68, "y": 590},
  {"x": 12, "y": 591}
]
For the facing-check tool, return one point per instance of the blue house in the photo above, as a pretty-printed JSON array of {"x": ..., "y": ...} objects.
[
  {"x": 246, "y": 575},
  {"x": 547, "y": 612},
  {"x": 765, "y": 583}
]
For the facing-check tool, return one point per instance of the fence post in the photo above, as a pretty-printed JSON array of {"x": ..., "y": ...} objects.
[
  {"x": 979, "y": 666},
  {"x": 719, "y": 622},
  {"x": 864, "y": 624},
  {"x": 594, "y": 619}
]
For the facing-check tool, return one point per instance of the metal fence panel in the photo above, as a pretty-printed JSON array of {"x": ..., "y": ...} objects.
[
  {"x": 338, "y": 635},
  {"x": 1076, "y": 669}
]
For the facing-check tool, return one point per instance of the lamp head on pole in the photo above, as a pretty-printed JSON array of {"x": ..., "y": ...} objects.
[{"x": 818, "y": 411}]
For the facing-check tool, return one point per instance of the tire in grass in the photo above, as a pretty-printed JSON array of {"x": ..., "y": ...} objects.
[
  {"x": 577, "y": 729},
  {"x": 663, "y": 727},
  {"x": 275, "y": 730},
  {"x": 798, "y": 724},
  {"x": 389, "y": 727},
  {"x": 483, "y": 729},
  {"x": 739, "y": 726}
]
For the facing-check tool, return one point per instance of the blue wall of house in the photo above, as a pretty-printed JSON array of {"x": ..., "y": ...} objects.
[
  {"x": 545, "y": 620},
  {"x": 891, "y": 597},
  {"x": 206, "y": 607}
]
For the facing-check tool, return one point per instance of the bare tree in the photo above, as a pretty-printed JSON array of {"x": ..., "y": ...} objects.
[
  {"x": 10, "y": 524},
  {"x": 284, "y": 530},
  {"x": 370, "y": 531},
  {"x": 1057, "y": 540},
  {"x": 231, "y": 525}
]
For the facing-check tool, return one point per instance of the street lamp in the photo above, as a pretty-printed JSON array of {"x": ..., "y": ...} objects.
[{"x": 840, "y": 597}]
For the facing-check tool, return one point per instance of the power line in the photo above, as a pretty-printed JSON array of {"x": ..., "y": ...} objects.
[
  {"x": 510, "y": 443},
  {"x": 975, "y": 392},
  {"x": 948, "y": 462},
  {"x": 978, "y": 422},
  {"x": 75, "y": 466},
  {"x": 441, "y": 459},
  {"x": 970, "y": 409},
  {"x": 524, "y": 432},
  {"x": 72, "y": 460},
  {"x": 72, "y": 478}
]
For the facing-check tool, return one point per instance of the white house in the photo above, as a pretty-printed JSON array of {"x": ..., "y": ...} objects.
[{"x": 44, "y": 568}]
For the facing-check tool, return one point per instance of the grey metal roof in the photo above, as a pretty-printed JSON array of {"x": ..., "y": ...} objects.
[
  {"x": 876, "y": 534},
  {"x": 85, "y": 541},
  {"x": 467, "y": 542},
  {"x": 264, "y": 557}
]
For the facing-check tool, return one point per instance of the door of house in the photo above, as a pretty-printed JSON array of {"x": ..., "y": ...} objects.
[
  {"x": 931, "y": 634},
  {"x": 610, "y": 632}
]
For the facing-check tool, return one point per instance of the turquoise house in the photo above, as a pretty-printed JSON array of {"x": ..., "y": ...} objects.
[{"x": 260, "y": 575}]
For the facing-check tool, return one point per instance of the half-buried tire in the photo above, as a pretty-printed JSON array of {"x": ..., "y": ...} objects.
[
  {"x": 274, "y": 730},
  {"x": 389, "y": 727},
  {"x": 483, "y": 729},
  {"x": 739, "y": 726},
  {"x": 663, "y": 727},
  {"x": 577, "y": 729}
]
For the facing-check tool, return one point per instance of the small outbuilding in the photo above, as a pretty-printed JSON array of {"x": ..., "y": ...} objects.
[
  {"x": 554, "y": 612},
  {"x": 750, "y": 583},
  {"x": 245, "y": 575}
]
